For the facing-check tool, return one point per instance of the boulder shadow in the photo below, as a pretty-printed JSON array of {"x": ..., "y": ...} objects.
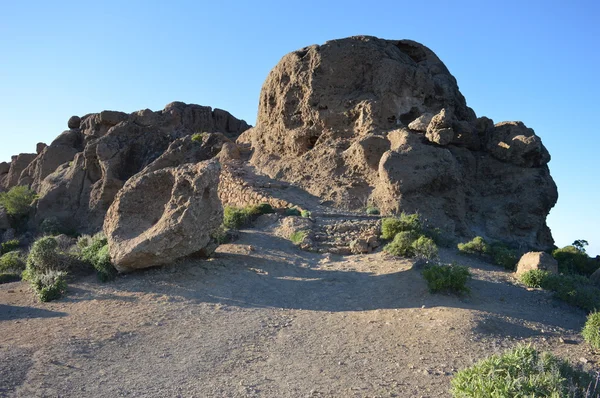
[{"x": 12, "y": 312}]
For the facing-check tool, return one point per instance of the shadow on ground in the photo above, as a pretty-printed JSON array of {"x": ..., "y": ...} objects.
[{"x": 12, "y": 312}]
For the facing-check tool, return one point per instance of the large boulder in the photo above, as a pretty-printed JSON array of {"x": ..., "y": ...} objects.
[
  {"x": 162, "y": 215},
  {"x": 17, "y": 165},
  {"x": 115, "y": 146},
  {"x": 326, "y": 112},
  {"x": 537, "y": 261}
]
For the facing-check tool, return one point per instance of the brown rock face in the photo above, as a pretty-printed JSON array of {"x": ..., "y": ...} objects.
[
  {"x": 114, "y": 147},
  {"x": 537, "y": 260},
  {"x": 17, "y": 165},
  {"x": 163, "y": 215},
  {"x": 364, "y": 119}
]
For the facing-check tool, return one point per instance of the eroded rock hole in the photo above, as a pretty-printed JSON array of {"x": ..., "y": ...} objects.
[
  {"x": 409, "y": 116},
  {"x": 417, "y": 54}
]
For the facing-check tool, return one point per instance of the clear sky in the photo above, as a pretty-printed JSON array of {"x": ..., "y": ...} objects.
[{"x": 535, "y": 61}]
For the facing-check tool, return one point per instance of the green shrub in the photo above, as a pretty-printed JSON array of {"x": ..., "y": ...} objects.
[
  {"x": 574, "y": 289},
  {"x": 305, "y": 214},
  {"x": 198, "y": 137},
  {"x": 523, "y": 372},
  {"x": 221, "y": 235},
  {"x": 17, "y": 201},
  {"x": 298, "y": 236},
  {"x": 440, "y": 238},
  {"x": 49, "y": 285},
  {"x": 292, "y": 211},
  {"x": 51, "y": 226},
  {"x": 12, "y": 262},
  {"x": 572, "y": 260},
  {"x": 8, "y": 278},
  {"x": 236, "y": 217},
  {"x": 97, "y": 255},
  {"x": 44, "y": 256},
  {"x": 9, "y": 246},
  {"x": 265, "y": 208},
  {"x": 476, "y": 246},
  {"x": 447, "y": 278},
  {"x": 406, "y": 222},
  {"x": 425, "y": 248},
  {"x": 534, "y": 277},
  {"x": 591, "y": 330},
  {"x": 374, "y": 211},
  {"x": 402, "y": 244},
  {"x": 503, "y": 256}
]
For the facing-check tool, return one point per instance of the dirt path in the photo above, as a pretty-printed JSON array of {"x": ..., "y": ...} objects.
[{"x": 265, "y": 319}]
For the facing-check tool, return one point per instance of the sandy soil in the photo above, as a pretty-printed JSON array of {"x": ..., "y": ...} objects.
[{"x": 265, "y": 319}]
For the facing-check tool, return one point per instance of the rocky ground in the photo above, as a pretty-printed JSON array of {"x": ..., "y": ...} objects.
[{"x": 265, "y": 319}]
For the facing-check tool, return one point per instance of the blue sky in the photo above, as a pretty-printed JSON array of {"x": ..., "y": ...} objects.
[{"x": 535, "y": 61}]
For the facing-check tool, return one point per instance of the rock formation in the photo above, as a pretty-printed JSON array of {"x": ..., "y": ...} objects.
[
  {"x": 537, "y": 261},
  {"x": 110, "y": 147},
  {"x": 365, "y": 120},
  {"x": 164, "y": 214}
]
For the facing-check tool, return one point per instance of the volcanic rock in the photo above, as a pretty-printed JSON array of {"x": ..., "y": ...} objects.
[
  {"x": 326, "y": 112},
  {"x": 163, "y": 215},
  {"x": 537, "y": 261},
  {"x": 74, "y": 122}
]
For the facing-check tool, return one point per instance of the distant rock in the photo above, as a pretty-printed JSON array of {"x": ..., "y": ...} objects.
[
  {"x": 537, "y": 260},
  {"x": 17, "y": 165},
  {"x": 163, "y": 215},
  {"x": 363, "y": 119}
]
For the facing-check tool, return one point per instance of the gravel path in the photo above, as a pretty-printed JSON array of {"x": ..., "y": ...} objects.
[{"x": 265, "y": 319}]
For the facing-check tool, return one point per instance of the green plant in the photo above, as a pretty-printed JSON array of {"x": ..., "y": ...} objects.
[
  {"x": 580, "y": 244},
  {"x": 534, "y": 277},
  {"x": 374, "y": 211},
  {"x": 8, "y": 278},
  {"x": 50, "y": 285},
  {"x": 503, "y": 256},
  {"x": 236, "y": 217},
  {"x": 440, "y": 238},
  {"x": 264, "y": 208},
  {"x": 51, "y": 226},
  {"x": 221, "y": 235},
  {"x": 12, "y": 262},
  {"x": 97, "y": 255},
  {"x": 17, "y": 201},
  {"x": 292, "y": 211},
  {"x": 574, "y": 289},
  {"x": 198, "y": 137},
  {"x": 298, "y": 236},
  {"x": 44, "y": 256},
  {"x": 523, "y": 372},
  {"x": 305, "y": 213},
  {"x": 424, "y": 247},
  {"x": 447, "y": 278},
  {"x": 9, "y": 246},
  {"x": 572, "y": 260},
  {"x": 591, "y": 330},
  {"x": 477, "y": 245},
  {"x": 406, "y": 222},
  {"x": 402, "y": 244}
]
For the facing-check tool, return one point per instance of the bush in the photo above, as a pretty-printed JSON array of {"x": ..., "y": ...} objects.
[
  {"x": 503, "y": 256},
  {"x": 305, "y": 214},
  {"x": 438, "y": 236},
  {"x": 97, "y": 255},
  {"x": 17, "y": 201},
  {"x": 374, "y": 211},
  {"x": 9, "y": 246},
  {"x": 591, "y": 330},
  {"x": 402, "y": 244},
  {"x": 447, "y": 278},
  {"x": 8, "y": 278},
  {"x": 51, "y": 226},
  {"x": 523, "y": 372},
  {"x": 572, "y": 260},
  {"x": 425, "y": 248},
  {"x": 406, "y": 222},
  {"x": 236, "y": 217},
  {"x": 221, "y": 235},
  {"x": 534, "y": 277},
  {"x": 44, "y": 256},
  {"x": 476, "y": 246},
  {"x": 12, "y": 262},
  {"x": 50, "y": 285},
  {"x": 198, "y": 137},
  {"x": 292, "y": 211},
  {"x": 298, "y": 236}
]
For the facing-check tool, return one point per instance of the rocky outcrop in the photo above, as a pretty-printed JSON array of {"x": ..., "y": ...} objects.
[
  {"x": 116, "y": 146},
  {"x": 17, "y": 165},
  {"x": 537, "y": 261},
  {"x": 363, "y": 119},
  {"x": 161, "y": 215}
]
